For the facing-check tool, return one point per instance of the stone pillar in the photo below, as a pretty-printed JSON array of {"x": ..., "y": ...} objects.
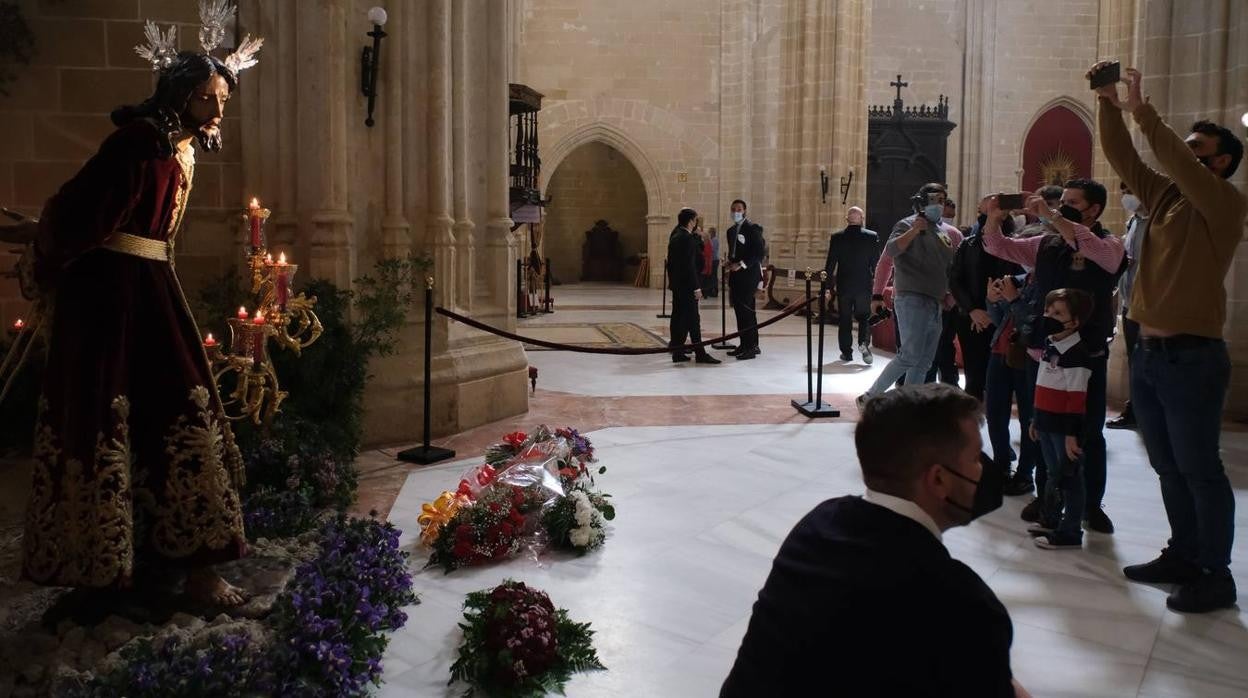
[
  {"x": 396, "y": 231},
  {"x": 438, "y": 172},
  {"x": 463, "y": 227},
  {"x": 978, "y": 101},
  {"x": 658, "y": 227},
  {"x": 500, "y": 244}
]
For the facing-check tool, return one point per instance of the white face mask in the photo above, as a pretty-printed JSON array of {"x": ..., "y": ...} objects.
[
  {"x": 1131, "y": 203},
  {"x": 738, "y": 216}
]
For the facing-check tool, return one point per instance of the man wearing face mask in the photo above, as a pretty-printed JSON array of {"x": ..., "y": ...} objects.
[
  {"x": 852, "y": 256},
  {"x": 917, "y": 256},
  {"x": 863, "y": 596},
  {"x": 1180, "y": 369},
  {"x": 746, "y": 249},
  {"x": 1077, "y": 253},
  {"x": 1133, "y": 241},
  {"x": 973, "y": 268}
]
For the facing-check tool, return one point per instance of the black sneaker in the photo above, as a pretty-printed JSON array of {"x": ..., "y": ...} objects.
[
  {"x": 1018, "y": 485},
  {"x": 1210, "y": 591},
  {"x": 706, "y": 359},
  {"x": 1168, "y": 568},
  {"x": 1031, "y": 512},
  {"x": 1126, "y": 420},
  {"x": 847, "y": 356},
  {"x": 1098, "y": 521},
  {"x": 1059, "y": 541}
]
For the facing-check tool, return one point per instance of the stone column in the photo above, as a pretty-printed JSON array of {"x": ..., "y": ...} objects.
[
  {"x": 978, "y": 95},
  {"x": 500, "y": 245},
  {"x": 438, "y": 173},
  {"x": 396, "y": 231},
  {"x": 463, "y": 227}
]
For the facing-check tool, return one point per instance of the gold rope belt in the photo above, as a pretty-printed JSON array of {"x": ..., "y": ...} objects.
[{"x": 136, "y": 246}]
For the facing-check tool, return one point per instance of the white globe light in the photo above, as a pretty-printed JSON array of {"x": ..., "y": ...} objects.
[
  {"x": 377, "y": 15},
  {"x": 1244, "y": 119}
]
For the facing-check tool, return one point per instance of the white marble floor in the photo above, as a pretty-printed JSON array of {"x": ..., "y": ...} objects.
[{"x": 702, "y": 511}]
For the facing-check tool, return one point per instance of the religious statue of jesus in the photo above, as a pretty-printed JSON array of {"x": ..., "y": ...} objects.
[{"x": 135, "y": 462}]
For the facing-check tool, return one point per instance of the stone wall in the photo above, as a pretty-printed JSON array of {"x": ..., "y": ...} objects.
[{"x": 594, "y": 182}]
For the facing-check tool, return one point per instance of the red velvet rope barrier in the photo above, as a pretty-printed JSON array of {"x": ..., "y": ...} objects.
[{"x": 624, "y": 351}]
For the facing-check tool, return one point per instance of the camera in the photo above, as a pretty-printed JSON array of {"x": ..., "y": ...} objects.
[
  {"x": 1108, "y": 75},
  {"x": 877, "y": 318},
  {"x": 1010, "y": 202}
]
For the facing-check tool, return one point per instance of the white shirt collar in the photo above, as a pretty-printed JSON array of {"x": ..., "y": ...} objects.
[
  {"x": 1064, "y": 345},
  {"x": 903, "y": 507}
]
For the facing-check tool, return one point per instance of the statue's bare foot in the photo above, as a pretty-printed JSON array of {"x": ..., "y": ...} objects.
[{"x": 206, "y": 586}]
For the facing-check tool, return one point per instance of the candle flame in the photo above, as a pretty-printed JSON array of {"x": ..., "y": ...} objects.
[
  {"x": 268, "y": 259},
  {"x": 210, "y": 340},
  {"x": 281, "y": 258},
  {"x": 242, "y": 311},
  {"x": 255, "y": 203},
  {"x": 259, "y": 317},
  {"x": 19, "y": 324}
]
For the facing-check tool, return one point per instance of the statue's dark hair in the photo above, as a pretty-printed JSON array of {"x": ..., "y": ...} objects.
[{"x": 173, "y": 91}]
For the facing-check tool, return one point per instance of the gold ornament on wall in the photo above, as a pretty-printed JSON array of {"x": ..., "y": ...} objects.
[{"x": 1057, "y": 168}]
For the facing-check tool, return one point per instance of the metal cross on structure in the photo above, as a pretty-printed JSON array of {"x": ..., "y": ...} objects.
[{"x": 899, "y": 84}]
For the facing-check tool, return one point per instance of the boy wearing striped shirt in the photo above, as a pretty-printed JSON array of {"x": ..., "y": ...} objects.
[{"x": 1060, "y": 410}]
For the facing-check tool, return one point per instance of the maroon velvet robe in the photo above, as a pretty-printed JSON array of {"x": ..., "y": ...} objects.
[{"x": 133, "y": 458}]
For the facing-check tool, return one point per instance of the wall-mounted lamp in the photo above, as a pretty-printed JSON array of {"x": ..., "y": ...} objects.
[
  {"x": 1244, "y": 119},
  {"x": 845, "y": 184},
  {"x": 370, "y": 61},
  {"x": 823, "y": 183}
]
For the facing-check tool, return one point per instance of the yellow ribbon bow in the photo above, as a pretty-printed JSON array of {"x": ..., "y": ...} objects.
[{"x": 436, "y": 514}]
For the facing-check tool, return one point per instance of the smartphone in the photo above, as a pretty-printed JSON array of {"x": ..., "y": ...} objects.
[
  {"x": 1010, "y": 202},
  {"x": 1108, "y": 75}
]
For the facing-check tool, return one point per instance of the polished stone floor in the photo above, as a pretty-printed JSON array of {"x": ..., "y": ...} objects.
[{"x": 705, "y": 498}]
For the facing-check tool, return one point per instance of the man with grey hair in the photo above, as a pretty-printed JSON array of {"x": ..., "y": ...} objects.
[{"x": 852, "y": 255}]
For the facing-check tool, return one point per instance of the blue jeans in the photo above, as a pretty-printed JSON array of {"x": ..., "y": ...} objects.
[
  {"x": 1005, "y": 386},
  {"x": 1177, "y": 395},
  {"x": 1094, "y": 460},
  {"x": 919, "y": 320},
  {"x": 1063, "y": 503}
]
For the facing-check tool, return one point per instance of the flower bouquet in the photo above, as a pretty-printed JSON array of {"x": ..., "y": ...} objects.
[
  {"x": 517, "y": 644},
  {"x": 533, "y": 490}
]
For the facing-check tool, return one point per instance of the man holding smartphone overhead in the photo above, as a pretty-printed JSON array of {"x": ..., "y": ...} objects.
[{"x": 1180, "y": 370}]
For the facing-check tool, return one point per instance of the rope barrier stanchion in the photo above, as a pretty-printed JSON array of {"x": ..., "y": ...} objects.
[
  {"x": 810, "y": 361},
  {"x": 723, "y": 309},
  {"x": 663, "y": 310},
  {"x": 425, "y": 453},
  {"x": 817, "y": 408}
]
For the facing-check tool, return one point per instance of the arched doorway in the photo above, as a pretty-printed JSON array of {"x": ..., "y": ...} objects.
[
  {"x": 1058, "y": 146},
  {"x": 595, "y": 182}
]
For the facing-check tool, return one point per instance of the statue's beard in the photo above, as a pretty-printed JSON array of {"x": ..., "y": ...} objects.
[{"x": 209, "y": 137}]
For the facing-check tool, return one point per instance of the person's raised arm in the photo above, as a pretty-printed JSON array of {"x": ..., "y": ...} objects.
[
  {"x": 1147, "y": 183},
  {"x": 1021, "y": 252},
  {"x": 904, "y": 234}
]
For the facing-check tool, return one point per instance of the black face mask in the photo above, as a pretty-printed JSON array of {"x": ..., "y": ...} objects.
[
  {"x": 988, "y": 490},
  {"x": 1053, "y": 326},
  {"x": 1071, "y": 213}
]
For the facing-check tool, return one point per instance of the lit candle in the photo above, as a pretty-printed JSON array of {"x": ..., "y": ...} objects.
[
  {"x": 283, "y": 281},
  {"x": 268, "y": 259},
  {"x": 19, "y": 324},
  {"x": 257, "y": 338},
  {"x": 259, "y": 319},
  {"x": 210, "y": 342},
  {"x": 242, "y": 313},
  {"x": 253, "y": 217}
]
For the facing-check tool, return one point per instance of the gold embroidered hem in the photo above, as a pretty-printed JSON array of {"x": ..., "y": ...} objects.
[
  {"x": 88, "y": 522},
  {"x": 79, "y": 522}
]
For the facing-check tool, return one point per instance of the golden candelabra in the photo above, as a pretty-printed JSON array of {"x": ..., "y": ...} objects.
[{"x": 244, "y": 373}]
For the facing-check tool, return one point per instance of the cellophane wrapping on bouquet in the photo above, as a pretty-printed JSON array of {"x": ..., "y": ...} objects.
[{"x": 533, "y": 492}]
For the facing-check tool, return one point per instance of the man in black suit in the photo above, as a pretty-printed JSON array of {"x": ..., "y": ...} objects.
[
  {"x": 745, "y": 265},
  {"x": 852, "y": 256},
  {"x": 863, "y": 598},
  {"x": 684, "y": 258}
]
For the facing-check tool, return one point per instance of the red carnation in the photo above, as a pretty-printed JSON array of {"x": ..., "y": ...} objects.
[{"x": 515, "y": 438}]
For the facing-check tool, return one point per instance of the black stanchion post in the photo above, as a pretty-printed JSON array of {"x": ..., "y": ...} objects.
[
  {"x": 663, "y": 310},
  {"x": 810, "y": 366},
  {"x": 425, "y": 453},
  {"x": 816, "y": 408},
  {"x": 549, "y": 303},
  {"x": 520, "y": 300},
  {"x": 723, "y": 308}
]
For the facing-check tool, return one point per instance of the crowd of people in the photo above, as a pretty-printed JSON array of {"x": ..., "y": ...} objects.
[{"x": 1035, "y": 289}]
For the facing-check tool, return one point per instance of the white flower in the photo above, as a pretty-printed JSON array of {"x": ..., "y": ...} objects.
[{"x": 580, "y": 537}]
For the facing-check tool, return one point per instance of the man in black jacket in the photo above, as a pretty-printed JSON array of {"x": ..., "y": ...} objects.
[
  {"x": 863, "y": 598},
  {"x": 852, "y": 256},
  {"x": 745, "y": 264},
  {"x": 969, "y": 275},
  {"x": 684, "y": 257}
]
